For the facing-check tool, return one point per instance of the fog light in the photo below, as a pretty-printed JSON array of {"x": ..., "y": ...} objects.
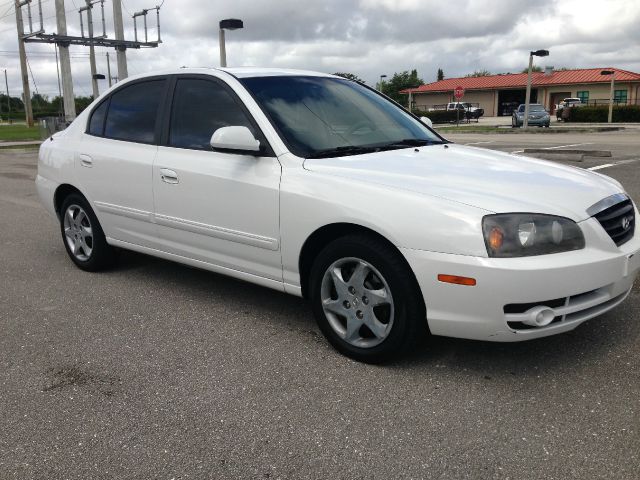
[{"x": 540, "y": 317}]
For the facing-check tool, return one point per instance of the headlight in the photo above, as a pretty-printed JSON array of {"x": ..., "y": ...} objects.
[{"x": 527, "y": 234}]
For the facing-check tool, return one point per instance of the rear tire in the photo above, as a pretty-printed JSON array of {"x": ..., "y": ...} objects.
[
  {"x": 366, "y": 300},
  {"x": 82, "y": 235}
]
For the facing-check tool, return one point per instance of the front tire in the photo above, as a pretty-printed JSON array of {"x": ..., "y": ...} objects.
[
  {"x": 82, "y": 235},
  {"x": 366, "y": 300}
]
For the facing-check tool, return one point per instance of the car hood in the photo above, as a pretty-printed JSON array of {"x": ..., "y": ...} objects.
[{"x": 494, "y": 181}]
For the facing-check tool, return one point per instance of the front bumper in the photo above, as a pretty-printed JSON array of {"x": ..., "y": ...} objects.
[
  {"x": 578, "y": 285},
  {"x": 535, "y": 121}
]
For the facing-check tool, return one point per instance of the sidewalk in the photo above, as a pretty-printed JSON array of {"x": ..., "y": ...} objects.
[
  {"x": 506, "y": 121},
  {"x": 27, "y": 143}
]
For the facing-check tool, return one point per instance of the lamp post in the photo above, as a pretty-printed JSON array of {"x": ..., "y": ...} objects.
[
  {"x": 537, "y": 53},
  {"x": 381, "y": 80},
  {"x": 6, "y": 81},
  {"x": 227, "y": 24},
  {"x": 613, "y": 74}
]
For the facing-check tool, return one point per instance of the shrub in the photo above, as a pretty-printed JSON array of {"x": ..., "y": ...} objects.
[
  {"x": 439, "y": 116},
  {"x": 600, "y": 114}
]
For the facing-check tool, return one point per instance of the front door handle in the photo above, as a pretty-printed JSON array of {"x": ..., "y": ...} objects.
[
  {"x": 86, "y": 160},
  {"x": 168, "y": 176}
]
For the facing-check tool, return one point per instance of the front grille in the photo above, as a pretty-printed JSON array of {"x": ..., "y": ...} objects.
[{"x": 619, "y": 221}]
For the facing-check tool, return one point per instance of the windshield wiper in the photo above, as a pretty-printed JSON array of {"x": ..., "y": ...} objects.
[
  {"x": 341, "y": 151},
  {"x": 410, "y": 142}
]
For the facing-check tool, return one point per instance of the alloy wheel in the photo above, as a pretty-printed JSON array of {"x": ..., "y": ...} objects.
[
  {"x": 357, "y": 302},
  {"x": 78, "y": 232}
]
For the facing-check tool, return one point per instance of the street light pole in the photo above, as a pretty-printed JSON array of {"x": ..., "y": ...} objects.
[
  {"x": 227, "y": 24},
  {"x": 381, "y": 82},
  {"x": 6, "y": 82},
  {"x": 223, "y": 48},
  {"x": 537, "y": 53}
]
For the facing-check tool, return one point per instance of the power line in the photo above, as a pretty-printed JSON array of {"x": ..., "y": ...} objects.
[{"x": 32, "y": 77}]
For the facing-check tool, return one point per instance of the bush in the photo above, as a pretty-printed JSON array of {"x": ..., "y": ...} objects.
[
  {"x": 600, "y": 114},
  {"x": 439, "y": 116}
]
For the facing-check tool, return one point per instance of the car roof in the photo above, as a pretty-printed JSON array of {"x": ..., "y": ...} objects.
[{"x": 239, "y": 72}]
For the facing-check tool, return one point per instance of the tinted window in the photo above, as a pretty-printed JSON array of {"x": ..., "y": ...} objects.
[
  {"x": 200, "y": 107},
  {"x": 133, "y": 111},
  {"x": 316, "y": 114},
  {"x": 96, "y": 124}
]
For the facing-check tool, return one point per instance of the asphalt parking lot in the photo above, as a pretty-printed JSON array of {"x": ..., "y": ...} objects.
[{"x": 156, "y": 370}]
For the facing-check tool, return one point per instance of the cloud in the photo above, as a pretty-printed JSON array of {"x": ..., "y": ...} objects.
[{"x": 365, "y": 37}]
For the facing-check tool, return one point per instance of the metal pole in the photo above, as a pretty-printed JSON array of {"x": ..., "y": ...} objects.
[
  {"x": 121, "y": 52},
  {"x": 525, "y": 122},
  {"x": 6, "y": 82},
  {"x": 61, "y": 110},
  {"x": 610, "y": 118},
  {"x": 109, "y": 69},
  {"x": 223, "y": 50},
  {"x": 26, "y": 92},
  {"x": 92, "y": 52},
  {"x": 65, "y": 65}
]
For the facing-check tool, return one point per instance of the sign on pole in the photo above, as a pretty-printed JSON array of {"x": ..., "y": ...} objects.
[{"x": 458, "y": 93}]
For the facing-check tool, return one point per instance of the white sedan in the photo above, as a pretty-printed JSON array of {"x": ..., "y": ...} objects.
[{"x": 321, "y": 187}]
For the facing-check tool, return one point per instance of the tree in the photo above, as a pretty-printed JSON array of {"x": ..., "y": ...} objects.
[
  {"x": 82, "y": 103},
  {"x": 401, "y": 81},
  {"x": 535, "y": 68},
  {"x": 440, "y": 75},
  {"x": 479, "y": 73},
  {"x": 350, "y": 76}
]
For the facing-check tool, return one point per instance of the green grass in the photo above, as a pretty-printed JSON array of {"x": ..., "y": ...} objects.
[{"x": 16, "y": 133}]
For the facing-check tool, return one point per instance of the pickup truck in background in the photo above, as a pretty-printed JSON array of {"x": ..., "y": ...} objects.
[{"x": 470, "y": 110}]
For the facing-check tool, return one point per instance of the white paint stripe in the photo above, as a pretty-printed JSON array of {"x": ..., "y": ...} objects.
[
  {"x": 621, "y": 162},
  {"x": 556, "y": 147},
  {"x": 478, "y": 143},
  {"x": 598, "y": 167},
  {"x": 565, "y": 146}
]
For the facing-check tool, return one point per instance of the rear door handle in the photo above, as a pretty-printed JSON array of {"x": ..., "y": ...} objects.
[
  {"x": 168, "y": 176},
  {"x": 86, "y": 160}
]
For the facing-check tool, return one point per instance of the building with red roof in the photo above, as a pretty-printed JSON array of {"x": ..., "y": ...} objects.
[{"x": 499, "y": 94}]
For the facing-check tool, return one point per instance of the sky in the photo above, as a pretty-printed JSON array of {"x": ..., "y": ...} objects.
[{"x": 366, "y": 37}]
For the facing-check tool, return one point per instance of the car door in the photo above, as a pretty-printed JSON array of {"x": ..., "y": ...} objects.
[
  {"x": 221, "y": 208},
  {"x": 114, "y": 161}
]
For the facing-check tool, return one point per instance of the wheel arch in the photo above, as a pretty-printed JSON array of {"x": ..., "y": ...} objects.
[
  {"x": 63, "y": 191},
  {"x": 328, "y": 233}
]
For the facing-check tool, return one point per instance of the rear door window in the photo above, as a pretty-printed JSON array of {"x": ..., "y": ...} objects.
[{"x": 133, "y": 112}]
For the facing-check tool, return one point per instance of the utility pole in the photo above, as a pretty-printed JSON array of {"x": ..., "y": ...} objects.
[
  {"x": 121, "y": 51},
  {"x": 109, "y": 69},
  {"x": 61, "y": 108},
  {"x": 65, "y": 65},
  {"x": 28, "y": 111},
  {"x": 92, "y": 51},
  {"x": 6, "y": 81}
]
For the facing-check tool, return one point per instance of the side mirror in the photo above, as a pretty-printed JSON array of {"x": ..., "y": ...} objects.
[
  {"x": 427, "y": 121},
  {"x": 234, "y": 138}
]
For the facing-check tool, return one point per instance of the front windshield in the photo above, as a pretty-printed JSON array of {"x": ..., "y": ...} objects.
[
  {"x": 536, "y": 108},
  {"x": 316, "y": 115}
]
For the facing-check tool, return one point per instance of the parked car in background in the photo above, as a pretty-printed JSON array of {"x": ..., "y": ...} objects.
[
  {"x": 321, "y": 187},
  {"x": 470, "y": 110},
  {"x": 567, "y": 103},
  {"x": 538, "y": 115}
]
